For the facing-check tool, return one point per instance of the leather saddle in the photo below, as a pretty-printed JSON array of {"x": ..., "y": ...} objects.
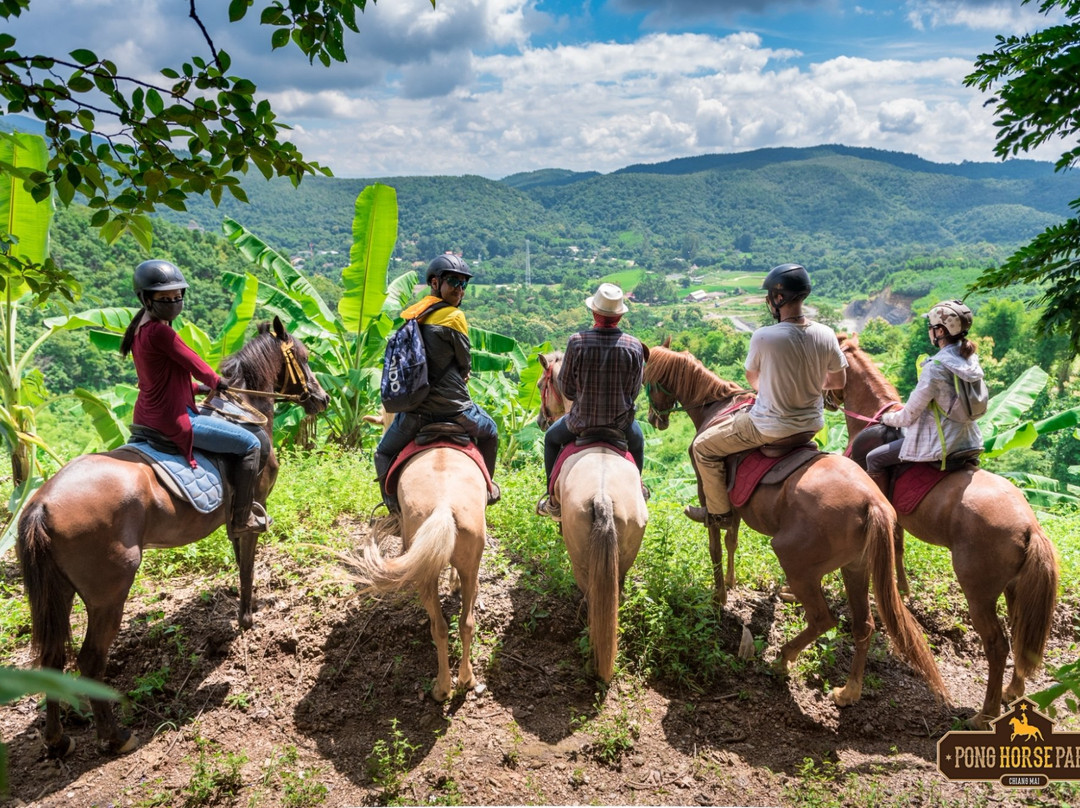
[
  {"x": 443, "y": 430},
  {"x": 602, "y": 434}
]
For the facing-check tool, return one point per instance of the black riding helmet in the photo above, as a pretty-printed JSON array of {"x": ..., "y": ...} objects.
[
  {"x": 157, "y": 275},
  {"x": 784, "y": 284},
  {"x": 442, "y": 264}
]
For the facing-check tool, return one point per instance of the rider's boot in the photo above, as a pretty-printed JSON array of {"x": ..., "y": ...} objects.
[
  {"x": 389, "y": 501},
  {"x": 699, "y": 514},
  {"x": 248, "y": 515},
  {"x": 494, "y": 493}
]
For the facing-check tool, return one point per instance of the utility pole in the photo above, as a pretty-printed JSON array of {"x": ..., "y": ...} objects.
[{"x": 528, "y": 268}]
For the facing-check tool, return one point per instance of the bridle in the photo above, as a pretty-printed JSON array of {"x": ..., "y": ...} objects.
[
  {"x": 549, "y": 389},
  {"x": 676, "y": 407},
  {"x": 834, "y": 404},
  {"x": 293, "y": 375}
]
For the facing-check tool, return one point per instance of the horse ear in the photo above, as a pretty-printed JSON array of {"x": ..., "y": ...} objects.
[
  {"x": 667, "y": 342},
  {"x": 645, "y": 351},
  {"x": 279, "y": 329},
  {"x": 543, "y": 358}
]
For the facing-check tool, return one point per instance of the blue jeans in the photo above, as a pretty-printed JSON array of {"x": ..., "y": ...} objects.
[
  {"x": 559, "y": 434},
  {"x": 477, "y": 423},
  {"x": 221, "y": 436}
]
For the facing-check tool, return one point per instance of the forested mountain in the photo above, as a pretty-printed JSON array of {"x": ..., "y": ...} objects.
[{"x": 843, "y": 210}]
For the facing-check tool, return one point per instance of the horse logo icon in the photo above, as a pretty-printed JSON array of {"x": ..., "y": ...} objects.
[{"x": 1022, "y": 728}]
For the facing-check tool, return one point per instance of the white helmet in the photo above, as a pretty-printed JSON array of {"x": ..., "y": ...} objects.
[{"x": 952, "y": 315}]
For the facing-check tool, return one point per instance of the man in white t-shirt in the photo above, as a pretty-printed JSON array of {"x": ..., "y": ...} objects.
[{"x": 789, "y": 365}]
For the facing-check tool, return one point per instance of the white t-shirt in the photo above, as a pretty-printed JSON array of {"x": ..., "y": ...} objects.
[{"x": 793, "y": 360}]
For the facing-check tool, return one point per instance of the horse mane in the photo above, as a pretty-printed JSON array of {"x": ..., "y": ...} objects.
[
  {"x": 682, "y": 371},
  {"x": 859, "y": 360},
  {"x": 255, "y": 366}
]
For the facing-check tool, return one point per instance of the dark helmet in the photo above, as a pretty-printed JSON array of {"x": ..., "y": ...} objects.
[
  {"x": 787, "y": 283},
  {"x": 953, "y": 315},
  {"x": 447, "y": 262},
  {"x": 157, "y": 275}
]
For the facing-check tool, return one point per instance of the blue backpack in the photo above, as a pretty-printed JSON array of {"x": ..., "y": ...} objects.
[{"x": 405, "y": 380}]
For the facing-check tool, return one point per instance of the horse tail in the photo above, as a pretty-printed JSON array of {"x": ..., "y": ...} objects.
[
  {"x": 603, "y": 591},
  {"x": 47, "y": 589},
  {"x": 428, "y": 554},
  {"x": 903, "y": 629},
  {"x": 1035, "y": 597}
]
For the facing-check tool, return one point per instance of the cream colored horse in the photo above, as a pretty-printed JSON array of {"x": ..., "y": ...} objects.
[
  {"x": 443, "y": 497},
  {"x": 603, "y": 521}
]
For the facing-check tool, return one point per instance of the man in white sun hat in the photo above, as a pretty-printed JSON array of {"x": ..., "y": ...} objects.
[{"x": 602, "y": 374}]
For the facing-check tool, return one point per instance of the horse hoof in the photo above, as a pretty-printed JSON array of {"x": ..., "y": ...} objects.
[
  {"x": 121, "y": 746},
  {"x": 977, "y": 722},
  {"x": 62, "y": 748},
  {"x": 246, "y": 621},
  {"x": 842, "y": 698}
]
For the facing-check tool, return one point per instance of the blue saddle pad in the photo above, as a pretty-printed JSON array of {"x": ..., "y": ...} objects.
[{"x": 201, "y": 485}]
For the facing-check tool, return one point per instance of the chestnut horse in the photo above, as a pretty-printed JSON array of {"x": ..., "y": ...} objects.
[
  {"x": 84, "y": 531},
  {"x": 996, "y": 544},
  {"x": 443, "y": 497},
  {"x": 603, "y": 522},
  {"x": 827, "y": 515}
]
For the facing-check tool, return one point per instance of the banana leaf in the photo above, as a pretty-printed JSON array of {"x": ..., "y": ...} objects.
[
  {"x": 495, "y": 352},
  {"x": 1009, "y": 406},
  {"x": 22, "y": 154},
  {"x": 1043, "y": 492},
  {"x": 300, "y": 289},
  {"x": 528, "y": 393},
  {"x": 375, "y": 226},
  {"x": 198, "y": 340},
  {"x": 16, "y": 683},
  {"x": 239, "y": 317},
  {"x": 115, "y": 319},
  {"x": 106, "y": 421},
  {"x": 399, "y": 293}
]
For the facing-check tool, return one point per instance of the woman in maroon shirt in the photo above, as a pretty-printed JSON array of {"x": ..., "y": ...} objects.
[{"x": 165, "y": 366}]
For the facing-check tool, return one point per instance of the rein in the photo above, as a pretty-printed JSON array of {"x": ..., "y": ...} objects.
[
  {"x": 294, "y": 375},
  {"x": 832, "y": 404}
]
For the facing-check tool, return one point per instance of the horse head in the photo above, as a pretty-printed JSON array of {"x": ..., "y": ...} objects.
[
  {"x": 553, "y": 404},
  {"x": 866, "y": 393},
  {"x": 295, "y": 377},
  {"x": 677, "y": 380}
]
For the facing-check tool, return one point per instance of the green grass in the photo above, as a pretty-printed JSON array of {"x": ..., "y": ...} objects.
[{"x": 625, "y": 279}]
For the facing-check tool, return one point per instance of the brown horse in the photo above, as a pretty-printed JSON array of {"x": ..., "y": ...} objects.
[
  {"x": 603, "y": 522},
  {"x": 996, "y": 544},
  {"x": 84, "y": 531},
  {"x": 443, "y": 497},
  {"x": 828, "y": 515}
]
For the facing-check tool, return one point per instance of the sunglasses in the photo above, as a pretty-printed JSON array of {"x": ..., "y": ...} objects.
[{"x": 457, "y": 283}]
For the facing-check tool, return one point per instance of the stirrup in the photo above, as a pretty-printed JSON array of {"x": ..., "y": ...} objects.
[
  {"x": 258, "y": 520},
  {"x": 702, "y": 516},
  {"x": 545, "y": 507}
]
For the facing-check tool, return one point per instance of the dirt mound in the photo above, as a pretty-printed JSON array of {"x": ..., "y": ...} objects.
[{"x": 325, "y": 702}]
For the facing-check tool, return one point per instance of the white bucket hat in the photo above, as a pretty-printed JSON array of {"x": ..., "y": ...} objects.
[{"x": 608, "y": 301}]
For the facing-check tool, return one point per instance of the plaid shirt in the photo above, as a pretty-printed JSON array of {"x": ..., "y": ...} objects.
[{"x": 602, "y": 374}]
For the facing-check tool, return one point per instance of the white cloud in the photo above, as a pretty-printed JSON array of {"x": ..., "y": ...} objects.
[{"x": 999, "y": 16}]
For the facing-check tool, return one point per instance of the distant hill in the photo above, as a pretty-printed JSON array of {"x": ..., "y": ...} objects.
[{"x": 853, "y": 214}]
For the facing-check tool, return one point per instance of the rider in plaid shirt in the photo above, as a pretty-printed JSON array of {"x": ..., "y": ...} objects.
[{"x": 602, "y": 374}]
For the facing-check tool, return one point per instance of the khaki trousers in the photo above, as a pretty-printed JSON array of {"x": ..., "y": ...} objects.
[{"x": 731, "y": 435}]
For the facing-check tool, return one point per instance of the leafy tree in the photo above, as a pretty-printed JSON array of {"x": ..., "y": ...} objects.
[
  {"x": 114, "y": 138},
  {"x": 1037, "y": 98}
]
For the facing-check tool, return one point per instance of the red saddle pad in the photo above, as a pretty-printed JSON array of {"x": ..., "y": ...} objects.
[{"x": 413, "y": 448}]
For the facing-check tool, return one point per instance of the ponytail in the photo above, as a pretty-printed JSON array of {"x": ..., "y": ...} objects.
[{"x": 129, "y": 334}]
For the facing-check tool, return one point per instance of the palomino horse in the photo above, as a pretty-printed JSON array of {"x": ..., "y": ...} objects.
[
  {"x": 996, "y": 543},
  {"x": 603, "y": 521},
  {"x": 443, "y": 496},
  {"x": 85, "y": 530},
  {"x": 825, "y": 516}
]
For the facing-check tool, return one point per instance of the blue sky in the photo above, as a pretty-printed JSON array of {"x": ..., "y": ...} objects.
[{"x": 494, "y": 87}]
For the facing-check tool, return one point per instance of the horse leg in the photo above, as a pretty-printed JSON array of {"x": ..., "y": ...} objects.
[
  {"x": 731, "y": 542},
  {"x": 103, "y": 624},
  {"x": 857, "y": 586},
  {"x": 818, "y": 618},
  {"x": 54, "y": 656},
  {"x": 986, "y": 622},
  {"x": 440, "y": 635},
  {"x": 467, "y": 625},
  {"x": 1017, "y": 684},
  {"x": 244, "y": 545},
  {"x": 716, "y": 553}
]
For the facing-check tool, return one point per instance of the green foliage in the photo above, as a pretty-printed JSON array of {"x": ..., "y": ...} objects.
[
  {"x": 297, "y": 786},
  {"x": 1033, "y": 78},
  {"x": 126, "y": 172},
  {"x": 215, "y": 776},
  {"x": 388, "y": 763}
]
